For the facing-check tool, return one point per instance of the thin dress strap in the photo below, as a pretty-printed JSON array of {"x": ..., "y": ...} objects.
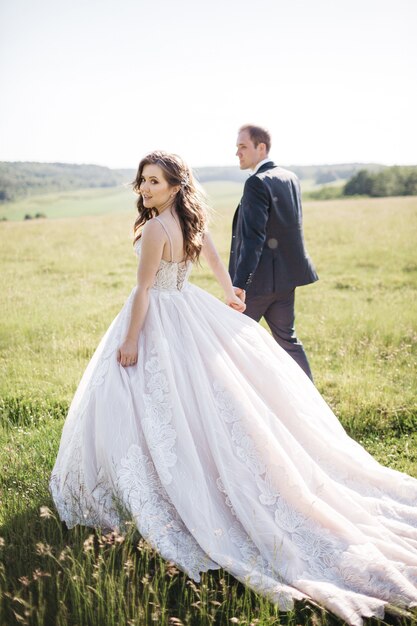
[{"x": 169, "y": 237}]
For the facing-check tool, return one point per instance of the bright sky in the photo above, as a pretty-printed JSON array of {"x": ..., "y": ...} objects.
[{"x": 105, "y": 81}]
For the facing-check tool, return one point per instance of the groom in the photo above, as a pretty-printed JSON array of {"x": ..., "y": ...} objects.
[{"x": 268, "y": 259}]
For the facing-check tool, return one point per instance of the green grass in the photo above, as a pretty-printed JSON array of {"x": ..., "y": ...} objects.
[
  {"x": 73, "y": 203},
  {"x": 101, "y": 201},
  {"x": 61, "y": 284}
]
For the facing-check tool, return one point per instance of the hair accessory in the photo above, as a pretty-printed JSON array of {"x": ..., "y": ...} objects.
[{"x": 185, "y": 180}]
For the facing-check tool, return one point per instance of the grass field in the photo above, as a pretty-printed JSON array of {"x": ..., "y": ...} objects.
[
  {"x": 101, "y": 201},
  {"x": 73, "y": 203},
  {"x": 63, "y": 281},
  {"x": 88, "y": 202}
]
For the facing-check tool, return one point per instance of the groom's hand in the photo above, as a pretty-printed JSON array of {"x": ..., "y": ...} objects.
[
  {"x": 240, "y": 293},
  {"x": 236, "y": 303}
]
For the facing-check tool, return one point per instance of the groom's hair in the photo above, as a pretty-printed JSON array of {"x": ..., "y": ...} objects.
[{"x": 258, "y": 135}]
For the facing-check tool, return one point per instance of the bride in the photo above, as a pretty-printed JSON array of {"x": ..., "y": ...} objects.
[{"x": 191, "y": 420}]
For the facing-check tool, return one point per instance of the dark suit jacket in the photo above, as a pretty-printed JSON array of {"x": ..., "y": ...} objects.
[{"x": 268, "y": 253}]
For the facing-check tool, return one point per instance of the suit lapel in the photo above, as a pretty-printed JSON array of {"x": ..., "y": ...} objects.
[{"x": 234, "y": 223}]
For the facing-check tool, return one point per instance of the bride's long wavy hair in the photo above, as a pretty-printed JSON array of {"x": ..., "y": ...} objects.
[{"x": 189, "y": 202}]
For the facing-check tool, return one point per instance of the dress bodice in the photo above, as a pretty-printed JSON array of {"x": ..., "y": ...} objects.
[{"x": 170, "y": 275}]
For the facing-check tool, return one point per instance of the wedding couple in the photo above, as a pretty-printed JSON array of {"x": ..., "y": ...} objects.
[{"x": 193, "y": 421}]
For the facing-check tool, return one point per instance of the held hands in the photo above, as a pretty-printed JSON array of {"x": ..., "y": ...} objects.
[
  {"x": 240, "y": 293},
  {"x": 127, "y": 354},
  {"x": 236, "y": 300}
]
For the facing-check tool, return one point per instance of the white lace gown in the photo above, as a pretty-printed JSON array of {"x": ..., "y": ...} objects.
[{"x": 225, "y": 455}]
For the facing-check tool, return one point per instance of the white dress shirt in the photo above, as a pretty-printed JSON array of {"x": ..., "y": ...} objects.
[{"x": 256, "y": 168}]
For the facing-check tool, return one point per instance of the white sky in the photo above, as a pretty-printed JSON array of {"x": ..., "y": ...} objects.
[{"x": 105, "y": 81}]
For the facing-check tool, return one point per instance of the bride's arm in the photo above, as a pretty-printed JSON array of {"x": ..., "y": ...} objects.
[
  {"x": 216, "y": 265},
  {"x": 153, "y": 240}
]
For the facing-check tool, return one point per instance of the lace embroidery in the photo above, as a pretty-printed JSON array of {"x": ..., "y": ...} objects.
[
  {"x": 401, "y": 493},
  {"x": 101, "y": 368},
  {"x": 159, "y": 434},
  {"x": 227, "y": 500},
  {"x": 75, "y": 503},
  {"x": 259, "y": 574},
  {"x": 183, "y": 271},
  {"x": 326, "y": 558},
  {"x": 155, "y": 515},
  {"x": 254, "y": 569},
  {"x": 170, "y": 275}
]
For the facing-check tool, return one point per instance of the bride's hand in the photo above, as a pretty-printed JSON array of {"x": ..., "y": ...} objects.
[
  {"x": 127, "y": 354},
  {"x": 240, "y": 293},
  {"x": 236, "y": 303}
]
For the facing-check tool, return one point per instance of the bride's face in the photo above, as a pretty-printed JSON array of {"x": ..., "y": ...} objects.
[{"x": 155, "y": 190}]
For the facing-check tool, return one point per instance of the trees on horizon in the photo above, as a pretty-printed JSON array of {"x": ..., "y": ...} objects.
[{"x": 20, "y": 179}]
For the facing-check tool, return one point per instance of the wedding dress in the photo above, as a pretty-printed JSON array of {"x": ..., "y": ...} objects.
[{"x": 225, "y": 455}]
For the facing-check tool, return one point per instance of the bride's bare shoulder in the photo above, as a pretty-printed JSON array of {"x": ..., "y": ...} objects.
[{"x": 153, "y": 230}]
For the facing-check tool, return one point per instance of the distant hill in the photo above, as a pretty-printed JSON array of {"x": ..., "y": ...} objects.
[
  {"x": 211, "y": 174},
  {"x": 21, "y": 179},
  {"x": 323, "y": 174}
]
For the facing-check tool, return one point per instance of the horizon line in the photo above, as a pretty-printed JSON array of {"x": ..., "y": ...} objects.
[{"x": 197, "y": 167}]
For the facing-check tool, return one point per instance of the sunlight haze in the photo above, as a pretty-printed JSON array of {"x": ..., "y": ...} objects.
[{"x": 107, "y": 81}]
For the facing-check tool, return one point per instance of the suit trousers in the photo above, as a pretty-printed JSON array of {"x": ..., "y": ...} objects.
[{"x": 278, "y": 311}]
